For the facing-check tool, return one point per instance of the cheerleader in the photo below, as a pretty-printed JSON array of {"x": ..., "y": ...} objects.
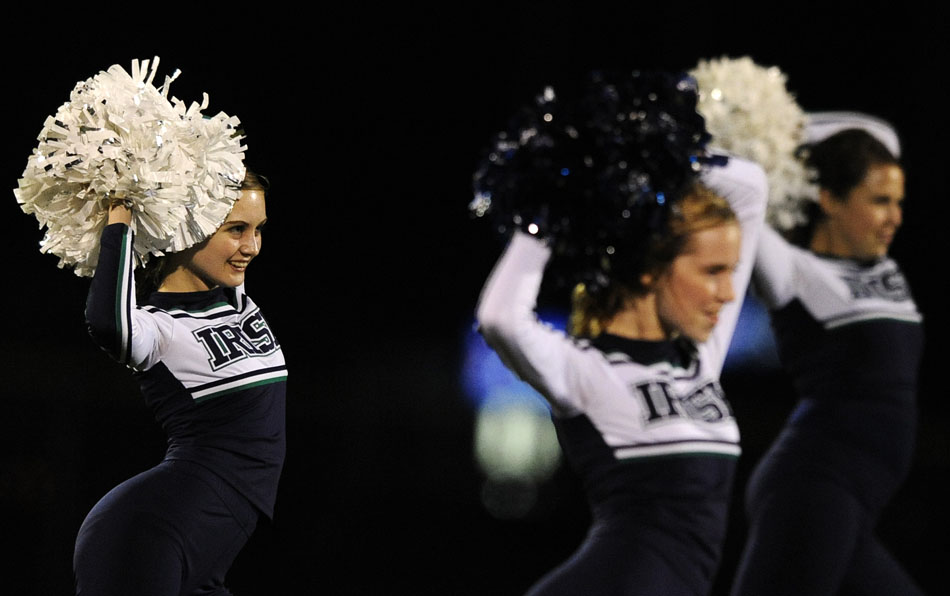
[
  {"x": 850, "y": 337},
  {"x": 634, "y": 388},
  {"x": 158, "y": 181}
]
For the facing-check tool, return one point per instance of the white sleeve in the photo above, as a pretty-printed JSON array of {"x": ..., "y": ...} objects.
[
  {"x": 775, "y": 278},
  {"x": 151, "y": 335},
  {"x": 821, "y": 125},
  {"x": 534, "y": 351},
  {"x": 743, "y": 183}
]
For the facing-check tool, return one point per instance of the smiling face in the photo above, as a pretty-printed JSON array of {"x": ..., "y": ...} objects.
[
  {"x": 222, "y": 259},
  {"x": 863, "y": 224},
  {"x": 693, "y": 289}
]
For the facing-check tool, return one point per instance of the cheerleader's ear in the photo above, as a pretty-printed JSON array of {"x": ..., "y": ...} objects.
[
  {"x": 829, "y": 202},
  {"x": 647, "y": 280}
]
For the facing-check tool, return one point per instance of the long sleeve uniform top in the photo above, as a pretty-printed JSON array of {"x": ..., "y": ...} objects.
[
  {"x": 850, "y": 336},
  {"x": 208, "y": 365},
  {"x": 645, "y": 424}
]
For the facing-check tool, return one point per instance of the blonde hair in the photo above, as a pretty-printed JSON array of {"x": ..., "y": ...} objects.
[
  {"x": 698, "y": 210},
  {"x": 590, "y": 312}
]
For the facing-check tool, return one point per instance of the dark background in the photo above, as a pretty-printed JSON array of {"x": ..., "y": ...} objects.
[{"x": 369, "y": 124}]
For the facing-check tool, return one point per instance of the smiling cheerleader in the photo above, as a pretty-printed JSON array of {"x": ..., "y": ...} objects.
[{"x": 121, "y": 177}]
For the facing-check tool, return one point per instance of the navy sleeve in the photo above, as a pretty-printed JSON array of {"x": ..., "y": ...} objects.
[{"x": 111, "y": 295}]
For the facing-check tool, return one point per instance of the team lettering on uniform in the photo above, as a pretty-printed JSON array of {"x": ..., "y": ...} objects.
[
  {"x": 707, "y": 403},
  {"x": 888, "y": 285},
  {"x": 227, "y": 343}
]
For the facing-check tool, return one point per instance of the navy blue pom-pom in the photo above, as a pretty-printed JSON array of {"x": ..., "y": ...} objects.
[{"x": 596, "y": 174}]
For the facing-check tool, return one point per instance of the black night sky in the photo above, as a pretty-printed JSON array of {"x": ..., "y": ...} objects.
[{"x": 369, "y": 124}]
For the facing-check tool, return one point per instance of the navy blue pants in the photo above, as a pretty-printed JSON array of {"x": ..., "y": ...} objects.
[
  {"x": 596, "y": 569},
  {"x": 812, "y": 535},
  {"x": 625, "y": 560},
  {"x": 171, "y": 531}
]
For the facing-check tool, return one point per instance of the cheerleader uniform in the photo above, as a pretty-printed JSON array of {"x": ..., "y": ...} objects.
[
  {"x": 214, "y": 376},
  {"x": 850, "y": 336},
  {"x": 644, "y": 424}
]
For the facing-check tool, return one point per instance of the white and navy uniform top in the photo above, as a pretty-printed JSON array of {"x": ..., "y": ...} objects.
[
  {"x": 645, "y": 424},
  {"x": 850, "y": 336},
  {"x": 209, "y": 367}
]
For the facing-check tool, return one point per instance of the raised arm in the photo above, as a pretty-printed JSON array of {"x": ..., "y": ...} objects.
[
  {"x": 743, "y": 183},
  {"x": 132, "y": 337},
  {"x": 506, "y": 318},
  {"x": 774, "y": 274}
]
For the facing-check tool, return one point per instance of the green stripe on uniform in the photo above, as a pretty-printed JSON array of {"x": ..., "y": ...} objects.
[
  {"x": 205, "y": 398},
  {"x": 120, "y": 295}
]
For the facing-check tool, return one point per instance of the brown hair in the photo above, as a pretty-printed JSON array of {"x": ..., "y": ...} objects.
[
  {"x": 698, "y": 210},
  {"x": 839, "y": 163},
  {"x": 255, "y": 181}
]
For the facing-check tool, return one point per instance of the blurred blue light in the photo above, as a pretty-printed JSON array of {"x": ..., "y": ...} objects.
[
  {"x": 753, "y": 343},
  {"x": 485, "y": 378}
]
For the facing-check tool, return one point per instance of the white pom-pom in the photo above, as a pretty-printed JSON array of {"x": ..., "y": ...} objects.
[
  {"x": 119, "y": 137},
  {"x": 750, "y": 113}
]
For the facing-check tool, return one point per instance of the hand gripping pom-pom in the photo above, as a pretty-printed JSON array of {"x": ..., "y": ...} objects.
[
  {"x": 597, "y": 175},
  {"x": 750, "y": 113},
  {"x": 119, "y": 137}
]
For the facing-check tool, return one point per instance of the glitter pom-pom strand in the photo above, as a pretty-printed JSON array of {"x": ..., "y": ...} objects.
[{"x": 119, "y": 136}]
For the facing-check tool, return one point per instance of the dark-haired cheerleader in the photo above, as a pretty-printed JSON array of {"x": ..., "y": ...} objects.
[
  {"x": 634, "y": 388},
  {"x": 850, "y": 336}
]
